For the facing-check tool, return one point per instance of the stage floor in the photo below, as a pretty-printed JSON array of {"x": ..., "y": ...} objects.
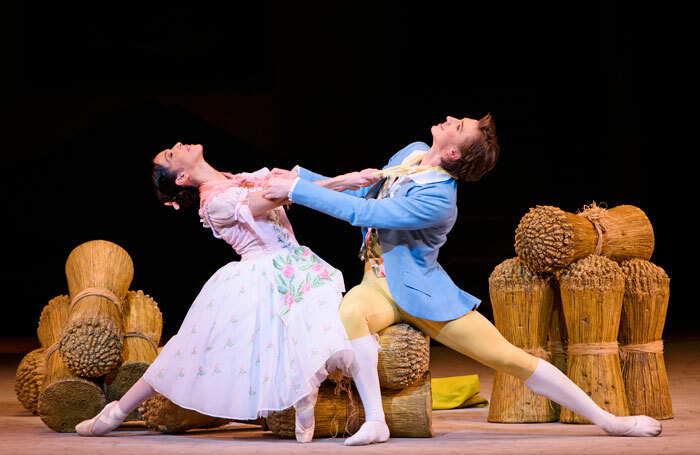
[{"x": 456, "y": 431}]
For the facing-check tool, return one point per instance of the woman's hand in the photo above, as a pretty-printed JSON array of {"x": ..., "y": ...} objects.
[
  {"x": 277, "y": 187},
  {"x": 357, "y": 180}
]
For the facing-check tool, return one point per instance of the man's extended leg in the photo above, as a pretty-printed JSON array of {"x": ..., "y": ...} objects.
[
  {"x": 364, "y": 311},
  {"x": 474, "y": 335}
]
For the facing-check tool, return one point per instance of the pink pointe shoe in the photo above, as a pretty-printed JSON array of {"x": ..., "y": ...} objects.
[
  {"x": 303, "y": 434},
  {"x": 305, "y": 408},
  {"x": 111, "y": 415}
]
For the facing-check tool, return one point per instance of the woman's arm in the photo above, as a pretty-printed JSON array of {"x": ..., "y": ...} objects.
[
  {"x": 350, "y": 181},
  {"x": 259, "y": 205}
]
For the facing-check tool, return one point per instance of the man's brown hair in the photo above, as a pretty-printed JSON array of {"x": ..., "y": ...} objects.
[{"x": 478, "y": 156}]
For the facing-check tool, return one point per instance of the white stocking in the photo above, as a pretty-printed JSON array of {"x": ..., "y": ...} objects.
[
  {"x": 548, "y": 381},
  {"x": 367, "y": 382}
]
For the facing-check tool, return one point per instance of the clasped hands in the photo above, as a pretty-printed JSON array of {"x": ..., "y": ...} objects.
[{"x": 278, "y": 182}]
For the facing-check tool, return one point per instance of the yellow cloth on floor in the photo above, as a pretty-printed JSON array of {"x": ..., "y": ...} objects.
[{"x": 456, "y": 392}]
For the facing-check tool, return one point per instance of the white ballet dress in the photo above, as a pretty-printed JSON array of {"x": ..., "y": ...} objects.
[{"x": 263, "y": 331}]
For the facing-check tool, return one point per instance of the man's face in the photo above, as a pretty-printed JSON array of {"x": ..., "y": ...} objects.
[{"x": 453, "y": 133}]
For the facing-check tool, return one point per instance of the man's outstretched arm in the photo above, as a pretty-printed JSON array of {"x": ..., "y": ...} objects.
[{"x": 424, "y": 206}]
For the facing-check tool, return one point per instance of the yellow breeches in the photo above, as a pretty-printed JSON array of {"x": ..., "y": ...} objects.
[{"x": 368, "y": 308}]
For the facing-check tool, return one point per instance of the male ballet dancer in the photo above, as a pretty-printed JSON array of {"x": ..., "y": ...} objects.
[{"x": 405, "y": 220}]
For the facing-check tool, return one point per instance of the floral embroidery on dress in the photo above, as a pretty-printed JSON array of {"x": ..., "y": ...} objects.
[
  {"x": 297, "y": 273},
  {"x": 283, "y": 235}
]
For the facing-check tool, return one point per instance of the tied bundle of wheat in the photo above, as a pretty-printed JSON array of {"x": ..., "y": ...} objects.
[
  {"x": 404, "y": 358},
  {"x": 558, "y": 338},
  {"x": 161, "y": 414},
  {"x": 99, "y": 273},
  {"x": 65, "y": 399},
  {"x": 28, "y": 379},
  {"x": 522, "y": 310},
  {"x": 591, "y": 295},
  {"x": 641, "y": 346},
  {"x": 142, "y": 325},
  {"x": 407, "y": 411},
  {"x": 405, "y": 385},
  {"x": 548, "y": 239}
]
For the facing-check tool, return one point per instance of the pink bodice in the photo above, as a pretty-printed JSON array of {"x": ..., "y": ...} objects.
[{"x": 229, "y": 217}]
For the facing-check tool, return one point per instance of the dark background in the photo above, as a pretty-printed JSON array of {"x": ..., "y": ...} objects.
[{"x": 592, "y": 103}]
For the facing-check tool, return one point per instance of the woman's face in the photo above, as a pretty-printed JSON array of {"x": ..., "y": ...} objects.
[{"x": 180, "y": 158}]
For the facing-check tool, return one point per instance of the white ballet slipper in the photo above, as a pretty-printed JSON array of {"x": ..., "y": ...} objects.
[
  {"x": 644, "y": 426},
  {"x": 110, "y": 415},
  {"x": 372, "y": 431}
]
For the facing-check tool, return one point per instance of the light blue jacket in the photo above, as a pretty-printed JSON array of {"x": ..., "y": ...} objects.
[{"x": 412, "y": 226}]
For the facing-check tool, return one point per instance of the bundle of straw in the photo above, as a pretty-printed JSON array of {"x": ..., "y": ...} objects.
[
  {"x": 143, "y": 324},
  {"x": 65, "y": 399},
  {"x": 548, "y": 239},
  {"x": 406, "y": 395},
  {"x": 28, "y": 379},
  {"x": 522, "y": 310},
  {"x": 99, "y": 273},
  {"x": 641, "y": 346},
  {"x": 591, "y": 294},
  {"x": 339, "y": 412},
  {"x": 558, "y": 337},
  {"x": 161, "y": 414},
  {"x": 404, "y": 358}
]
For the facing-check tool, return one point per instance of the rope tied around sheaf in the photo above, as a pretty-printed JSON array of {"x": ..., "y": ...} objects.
[
  {"x": 556, "y": 347},
  {"x": 50, "y": 350},
  {"x": 603, "y": 348},
  {"x": 655, "y": 347},
  {"x": 101, "y": 292},
  {"x": 141, "y": 335},
  {"x": 596, "y": 214}
]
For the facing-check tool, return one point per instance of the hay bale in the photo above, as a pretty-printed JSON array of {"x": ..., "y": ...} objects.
[
  {"x": 339, "y": 411},
  {"x": 65, "y": 399},
  {"x": 549, "y": 239},
  {"x": 404, "y": 358},
  {"x": 641, "y": 346},
  {"x": 558, "y": 338},
  {"x": 591, "y": 293},
  {"x": 143, "y": 324},
  {"x": 28, "y": 379},
  {"x": 162, "y": 415},
  {"x": 99, "y": 273},
  {"x": 522, "y": 311}
]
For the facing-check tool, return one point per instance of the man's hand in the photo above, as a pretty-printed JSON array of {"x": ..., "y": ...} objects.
[
  {"x": 282, "y": 173},
  {"x": 278, "y": 187}
]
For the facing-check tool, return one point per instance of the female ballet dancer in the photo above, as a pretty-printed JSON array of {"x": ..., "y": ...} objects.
[{"x": 264, "y": 332}]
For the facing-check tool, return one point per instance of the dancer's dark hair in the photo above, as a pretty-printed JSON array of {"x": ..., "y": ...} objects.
[
  {"x": 478, "y": 156},
  {"x": 168, "y": 191}
]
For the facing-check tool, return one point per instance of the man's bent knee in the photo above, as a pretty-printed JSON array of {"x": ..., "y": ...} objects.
[{"x": 354, "y": 319}]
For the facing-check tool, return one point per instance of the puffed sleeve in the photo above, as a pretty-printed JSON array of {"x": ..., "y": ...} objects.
[{"x": 227, "y": 208}]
